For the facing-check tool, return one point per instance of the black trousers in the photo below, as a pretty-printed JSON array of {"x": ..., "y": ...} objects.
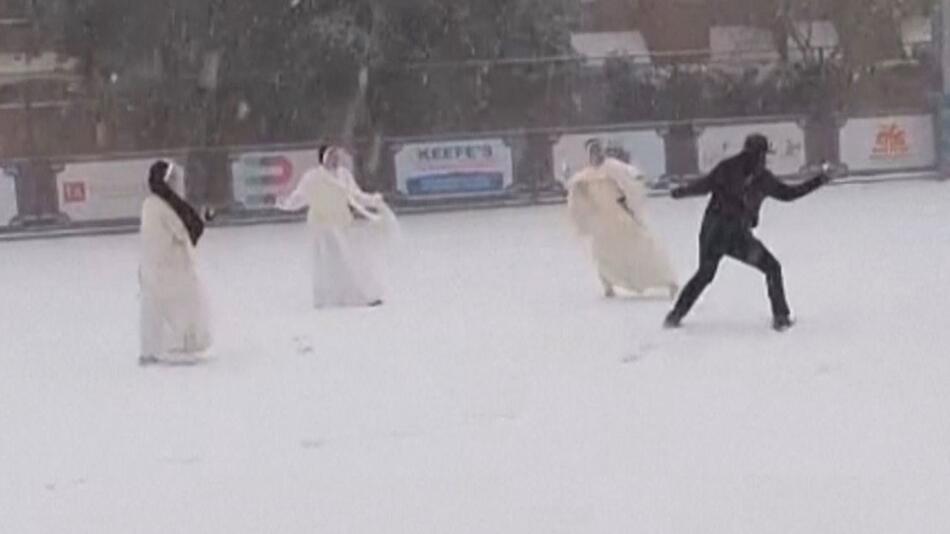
[{"x": 721, "y": 236}]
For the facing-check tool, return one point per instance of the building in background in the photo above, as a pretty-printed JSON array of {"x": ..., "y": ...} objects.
[
  {"x": 38, "y": 87},
  {"x": 765, "y": 29}
]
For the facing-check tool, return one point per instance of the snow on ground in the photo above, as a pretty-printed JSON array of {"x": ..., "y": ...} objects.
[{"x": 496, "y": 391}]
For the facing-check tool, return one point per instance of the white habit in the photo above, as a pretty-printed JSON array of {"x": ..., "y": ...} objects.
[
  {"x": 607, "y": 204},
  {"x": 343, "y": 259},
  {"x": 174, "y": 309}
]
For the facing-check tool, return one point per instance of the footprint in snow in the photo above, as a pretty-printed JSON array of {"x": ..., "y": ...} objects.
[
  {"x": 303, "y": 345},
  {"x": 312, "y": 444},
  {"x": 638, "y": 354}
]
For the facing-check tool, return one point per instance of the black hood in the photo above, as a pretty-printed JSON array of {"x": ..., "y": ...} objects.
[
  {"x": 755, "y": 153},
  {"x": 156, "y": 178},
  {"x": 757, "y": 144},
  {"x": 158, "y": 185}
]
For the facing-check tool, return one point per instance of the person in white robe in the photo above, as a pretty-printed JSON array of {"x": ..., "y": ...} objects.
[
  {"x": 174, "y": 318},
  {"x": 344, "y": 260},
  {"x": 607, "y": 203}
]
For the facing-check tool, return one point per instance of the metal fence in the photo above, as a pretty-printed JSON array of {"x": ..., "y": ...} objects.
[
  {"x": 510, "y": 167},
  {"x": 459, "y": 134}
]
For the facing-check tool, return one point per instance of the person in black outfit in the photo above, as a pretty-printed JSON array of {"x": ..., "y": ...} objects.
[{"x": 738, "y": 186}]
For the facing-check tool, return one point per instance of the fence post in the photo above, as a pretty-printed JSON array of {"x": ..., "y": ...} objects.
[
  {"x": 821, "y": 138},
  {"x": 208, "y": 172},
  {"x": 36, "y": 191},
  {"x": 385, "y": 171},
  {"x": 682, "y": 150},
  {"x": 533, "y": 168},
  {"x": 943, "y": 35},
  {"x": 24, "y": 193}
]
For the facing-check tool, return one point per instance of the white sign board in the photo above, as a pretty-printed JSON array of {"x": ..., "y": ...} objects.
[
  {"x": 888, "y": 143},
  {"x": 787, "y": 139},
  {"x": 812, "y": 39},
  {"x": 454, "y": 169},
  {"x": 260, "y": 178},
  {"x": 727, "y": 43},
  {"x": 600, "y": 45},
  {"x": 642, "y": 148},
  {"x": 8, "y": 202},
  {"x": 103, "y": 190}
]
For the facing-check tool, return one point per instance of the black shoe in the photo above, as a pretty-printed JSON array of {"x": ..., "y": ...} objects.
[
  {"x": 673, "y": 320},
  {"x": 375, "y": 304},
  {"x": 782, "y": 323}
]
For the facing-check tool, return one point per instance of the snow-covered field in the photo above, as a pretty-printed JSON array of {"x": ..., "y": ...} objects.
[{"x": 496, "y": 392}]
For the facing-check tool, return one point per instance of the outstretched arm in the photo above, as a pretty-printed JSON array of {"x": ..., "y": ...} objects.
[
  {"x": 700, "y": 187},
  {"x": 355, "y": 192},
  {"x": 631, "y": 182},
  {"x": 300, "y": 197},
  {"x": 787, "y": 193}
]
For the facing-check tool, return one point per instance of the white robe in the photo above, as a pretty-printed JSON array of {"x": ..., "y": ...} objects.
[
  {"x": 344, "y": 271},
  {"x": 174, "y": 317},
  {"x": 607, "y": 205}
]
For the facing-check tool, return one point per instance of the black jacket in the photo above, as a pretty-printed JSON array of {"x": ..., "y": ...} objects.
[{"x": 739, "y": 187}]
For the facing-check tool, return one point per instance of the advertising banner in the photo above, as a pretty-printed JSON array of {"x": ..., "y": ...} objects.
[
  {"x": 103, "y": 190},
  {"x": 260, "y": 178},
  {"x": 888, "y": 143},
  {"x": 454, "y": 169},
  {"x": 8, "y": 202},
  {"x": 717, "y": 143},
  {"x": 642, "y": 148}
]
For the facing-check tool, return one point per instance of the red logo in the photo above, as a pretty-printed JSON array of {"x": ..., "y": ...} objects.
[
  {"x": 74, "y": 192},
  {"x": 891, "y": 142}
]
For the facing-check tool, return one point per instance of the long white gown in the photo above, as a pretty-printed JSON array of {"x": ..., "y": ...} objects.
[
  {"x": 344, "y": 259},
  {"x": 607, "y": 204},
  {"x": 174, "y": 320}
]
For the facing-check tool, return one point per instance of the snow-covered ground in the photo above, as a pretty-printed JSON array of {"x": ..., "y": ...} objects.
[{"x": 496, "y": 391}]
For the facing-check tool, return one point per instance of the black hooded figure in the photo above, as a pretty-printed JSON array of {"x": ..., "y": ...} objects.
[
  {"x": 738, "y": 186},
  {"x": 322, "y": 153},
  {"x": 158, "y": 176}
]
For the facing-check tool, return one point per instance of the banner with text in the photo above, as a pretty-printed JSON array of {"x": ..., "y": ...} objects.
[
  {"x": 888, "y": 143},
  {"x": 644, "y": 148},
  {"x": 103, "y": 190},
  {"x": 455, "y": 169},
  {"x": 260, "y": 178},
  {"x": 8, "y": 201},
  {"x": 787, "y": 139}
]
